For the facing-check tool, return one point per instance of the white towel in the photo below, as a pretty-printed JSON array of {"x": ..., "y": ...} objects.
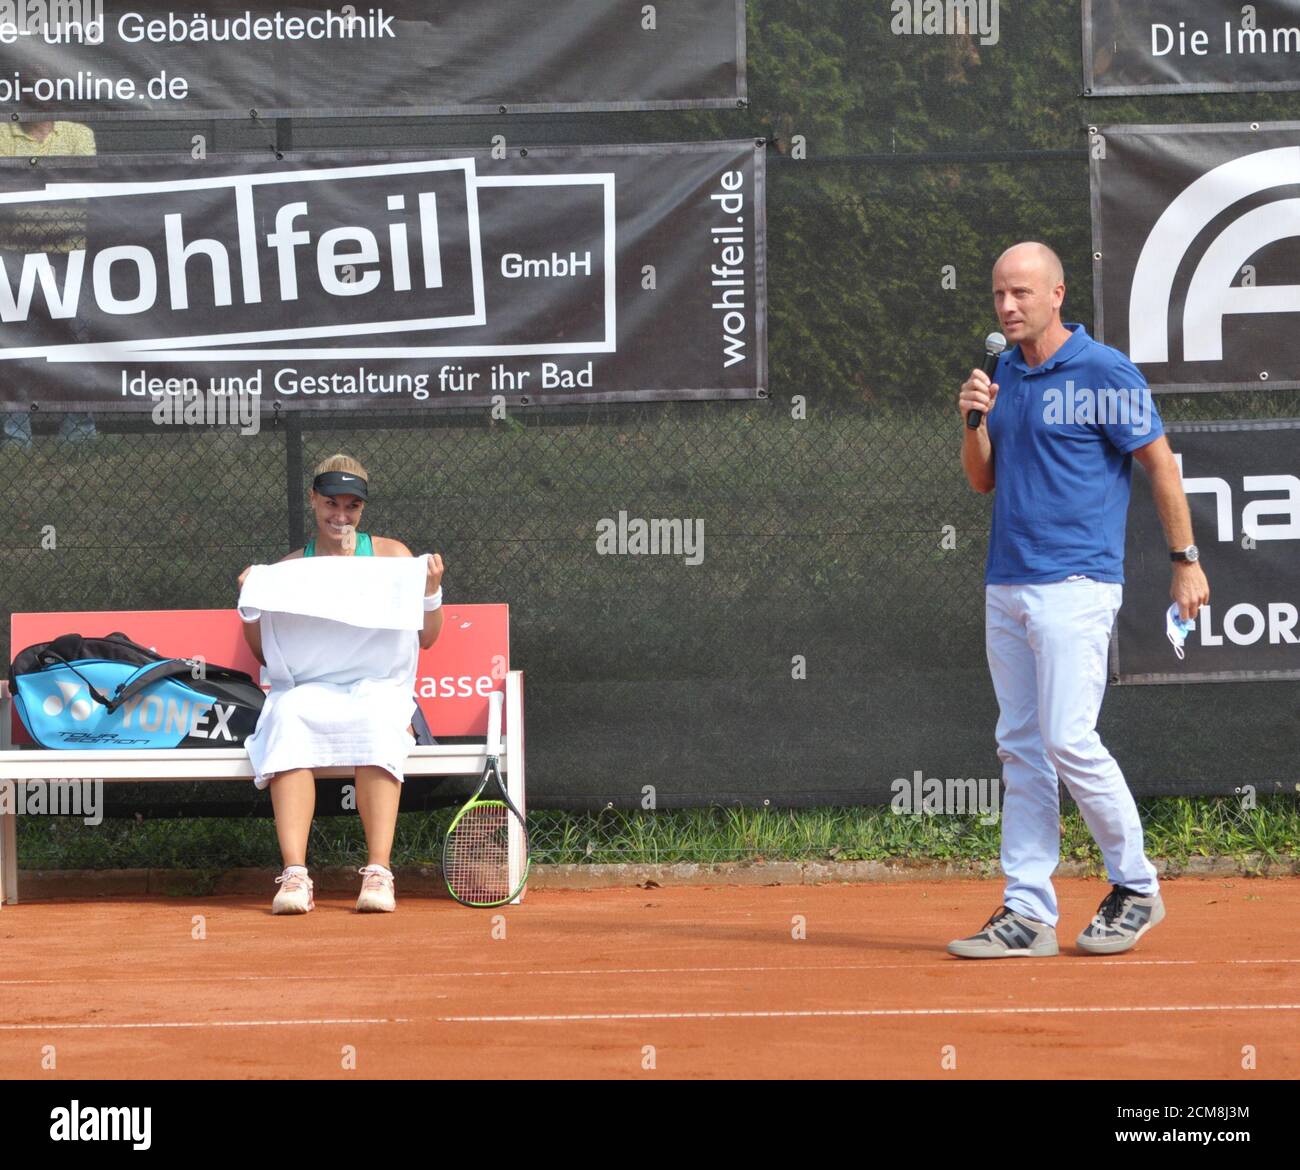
[
  {"x": 342, "y": 689},
  {"x": 378, "y": 593}
]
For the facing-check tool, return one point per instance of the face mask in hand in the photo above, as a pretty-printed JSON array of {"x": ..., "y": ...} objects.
[{"x": 1177, "y": 629}]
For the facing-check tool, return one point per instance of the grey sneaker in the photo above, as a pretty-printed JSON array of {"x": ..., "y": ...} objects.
[
  {"x": 1123, "y": 917},
  {"x": 1007, "y": 935}
]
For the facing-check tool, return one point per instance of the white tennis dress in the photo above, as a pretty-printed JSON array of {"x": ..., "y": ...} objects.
[{"x": 341, "y": 640}]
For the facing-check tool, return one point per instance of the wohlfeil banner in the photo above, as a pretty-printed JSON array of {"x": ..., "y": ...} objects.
[
  {"x": 242, "y": 58},
  {"x": 1243, "y": 486},
  {"x": 556, "y": 275},
  {"x": 1196, "y": 240},
  {"x": 1171, "y": 46}
]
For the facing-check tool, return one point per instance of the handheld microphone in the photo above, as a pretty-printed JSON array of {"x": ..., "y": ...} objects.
[{"x": 994, "y": 344}]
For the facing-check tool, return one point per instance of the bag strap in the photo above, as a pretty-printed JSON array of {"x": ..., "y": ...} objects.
[
  {"x": 146, "y": 677},
  {"x": 50, "y": 654},
  {"x": 170, "y": 668}
]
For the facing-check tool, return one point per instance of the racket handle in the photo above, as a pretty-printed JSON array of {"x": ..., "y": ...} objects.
[{"x": 496, "y": 701}]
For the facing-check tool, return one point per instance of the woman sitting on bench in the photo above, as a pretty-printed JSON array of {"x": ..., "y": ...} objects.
[{"x": 313, "y": 723}]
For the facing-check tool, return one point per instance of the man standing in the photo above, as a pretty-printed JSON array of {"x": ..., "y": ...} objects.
[{"x": 1061, "y": 426}]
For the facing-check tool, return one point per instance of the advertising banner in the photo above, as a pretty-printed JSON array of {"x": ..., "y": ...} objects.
[
  {"x": 1243, "y": 486},
  {"x": 1196, "y": 243},
  {"x": 97, "y": 59},
  {"x": 555, "y": 275},
  {"x": 1170, "y": 46}
]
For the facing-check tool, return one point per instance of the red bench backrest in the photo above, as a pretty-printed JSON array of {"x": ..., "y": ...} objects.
[{"x": 455, "y": 676}]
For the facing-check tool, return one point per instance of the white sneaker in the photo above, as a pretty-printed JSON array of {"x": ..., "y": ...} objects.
[
  {"x": 295, "y": 893},
  {"x": 376, "y": 890}
]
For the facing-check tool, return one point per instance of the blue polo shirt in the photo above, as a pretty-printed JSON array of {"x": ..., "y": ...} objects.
[{"x": 1063, "y": 434}]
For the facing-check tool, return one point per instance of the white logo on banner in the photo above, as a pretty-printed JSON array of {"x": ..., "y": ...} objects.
[
  {"x": 1211, "y": 295},
  {"x": 1253, "y": 522}
]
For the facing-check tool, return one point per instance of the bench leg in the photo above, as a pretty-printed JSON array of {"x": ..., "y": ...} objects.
[
  {"x": 8, "y": 844},
  {"x": 515, "y": 761},
  {"x": 8, "y": 807}
]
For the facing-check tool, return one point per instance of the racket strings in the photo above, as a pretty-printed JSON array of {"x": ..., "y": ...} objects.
[{"x": 476, "y": 858}]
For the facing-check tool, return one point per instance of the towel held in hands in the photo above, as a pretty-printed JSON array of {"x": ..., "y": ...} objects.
[{"x": 341, "y": 640}]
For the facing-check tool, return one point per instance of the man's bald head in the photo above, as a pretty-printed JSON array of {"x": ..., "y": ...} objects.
[
  {"x": 1028, "y": 291},
  {"x": 1034, "y": 254}
]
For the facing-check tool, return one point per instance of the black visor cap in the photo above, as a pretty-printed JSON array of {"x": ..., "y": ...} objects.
[{"x": 340, "y": 483}]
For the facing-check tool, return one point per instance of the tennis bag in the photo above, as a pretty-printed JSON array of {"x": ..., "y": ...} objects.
[{"x": 110, "y": 692}]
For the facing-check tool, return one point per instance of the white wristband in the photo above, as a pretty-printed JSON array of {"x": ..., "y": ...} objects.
[{"x": 433, "y": 601}]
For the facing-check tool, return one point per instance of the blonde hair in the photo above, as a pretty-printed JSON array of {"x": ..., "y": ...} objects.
[{"x": 341, "y": 462}]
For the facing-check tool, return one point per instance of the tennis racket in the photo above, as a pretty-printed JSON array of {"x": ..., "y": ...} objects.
[{"x": 485, "y": 855}]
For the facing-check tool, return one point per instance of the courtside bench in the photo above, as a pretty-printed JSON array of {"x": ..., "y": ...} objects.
[{"x": 455, "y": 676}]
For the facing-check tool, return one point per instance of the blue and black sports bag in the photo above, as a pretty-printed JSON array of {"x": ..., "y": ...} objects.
[{"x": 110, "y": 692}]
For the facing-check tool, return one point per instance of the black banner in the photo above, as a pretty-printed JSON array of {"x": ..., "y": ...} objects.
[
  {"x": 1196, "y": 236},
  {"x": 245, "y": 58},
  {"x": 1243, "y": 486},
  {"x": 1170, "y": 46},
  {"x": 571, "y": 274}
]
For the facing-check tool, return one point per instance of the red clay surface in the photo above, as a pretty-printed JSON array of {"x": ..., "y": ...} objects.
[{"x": 698, "y": 982}]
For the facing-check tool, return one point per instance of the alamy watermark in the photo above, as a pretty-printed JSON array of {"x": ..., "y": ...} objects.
[
  {"x": 54, "y": 798},
  {"x": 635, "y": 536},
  {"x": 53, "y": 21},
  {"x": 952, "y": 796},
  {"x": 953, "y": 18},
  {"x": 190, "y": 406},
  {"x": 76, "y": 1122},
  {"x": 1112, "y": 406}
]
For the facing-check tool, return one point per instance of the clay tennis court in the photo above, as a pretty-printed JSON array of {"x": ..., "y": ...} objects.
[{"x": 699, "y": 982}]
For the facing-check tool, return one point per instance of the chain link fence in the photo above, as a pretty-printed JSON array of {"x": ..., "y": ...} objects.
[{"x": 824, "y": 554}]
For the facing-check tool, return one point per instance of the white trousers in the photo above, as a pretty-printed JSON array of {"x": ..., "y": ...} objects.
[{"x": 1047, "y": 650}]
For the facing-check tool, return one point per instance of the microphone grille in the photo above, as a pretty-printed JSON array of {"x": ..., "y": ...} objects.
[{"x": 995, "y": 343}]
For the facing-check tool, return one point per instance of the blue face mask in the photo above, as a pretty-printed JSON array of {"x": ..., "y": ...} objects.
[{"x": 1177, "y": 629}]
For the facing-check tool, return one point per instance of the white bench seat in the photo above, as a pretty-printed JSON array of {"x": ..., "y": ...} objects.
[{"x": 19, "y": 765}]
